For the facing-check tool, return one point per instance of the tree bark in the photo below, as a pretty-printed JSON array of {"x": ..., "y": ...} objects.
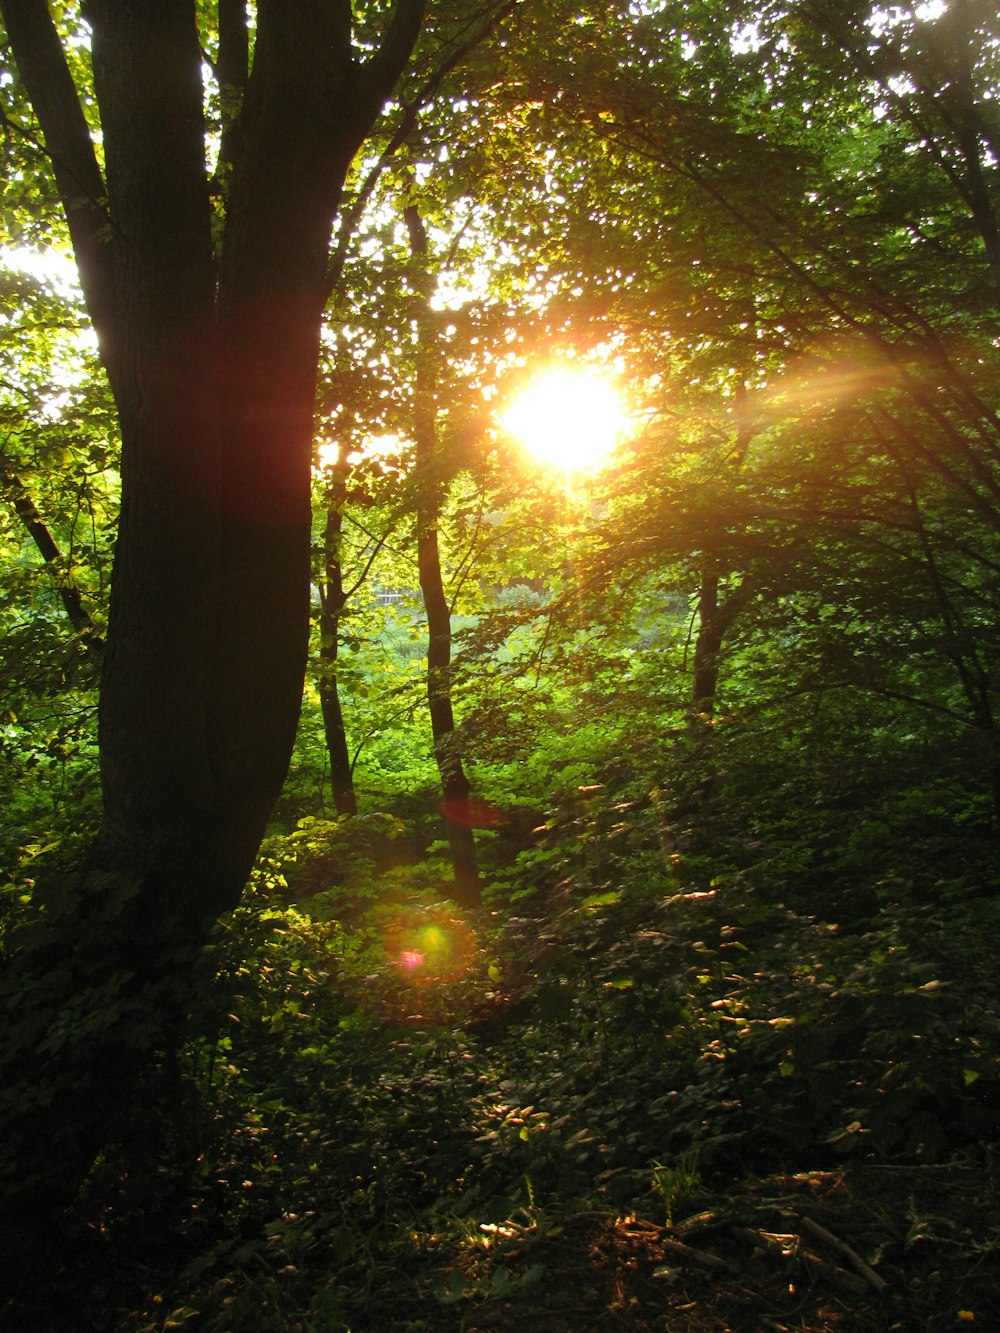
[{"x": 212, "y": 358}]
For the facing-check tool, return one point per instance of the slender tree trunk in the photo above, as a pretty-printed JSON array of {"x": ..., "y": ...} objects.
[
  {"x": 708, "y": 643},
  {"x": 715, "y": 612},
  {"x": 455, "y": 784},
  {"x": 331, "y": 609},
  {"x": 38, "y": 530}
]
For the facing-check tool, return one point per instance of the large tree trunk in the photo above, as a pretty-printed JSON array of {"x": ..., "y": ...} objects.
[
  {"x": 212, "y": 358},
  {"x": 211, "y": 352}
]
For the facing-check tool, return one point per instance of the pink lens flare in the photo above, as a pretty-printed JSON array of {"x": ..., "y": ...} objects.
[{"x": 411, "y": 958}]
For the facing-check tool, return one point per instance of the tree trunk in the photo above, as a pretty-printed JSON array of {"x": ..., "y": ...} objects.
[
  {"x": 715, "y": 616},
  {"x": 333, "y": 599},
  {"x": 711, "y": 627},
  {"x": 211, "y": 352},
  {"x": 455, "y": 784}
]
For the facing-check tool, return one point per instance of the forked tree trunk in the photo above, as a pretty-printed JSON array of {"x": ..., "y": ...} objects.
[
  {"x": 212, "y": 356},
  {"x": 211, "y": 351}
]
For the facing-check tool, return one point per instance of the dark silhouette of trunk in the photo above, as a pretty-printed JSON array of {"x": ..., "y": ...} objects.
[
  {"x": 716, "y": 612},
  {"x": 47, "y": 547},
  {"x": 211, "y": 351},
  {"x": 210, "y": 597},
  {"x": 455, "y": 784},
  {"x": 716, "y": 615},
  {"x": 333, "y": 599},
  {"x": 711, "y": 629}
]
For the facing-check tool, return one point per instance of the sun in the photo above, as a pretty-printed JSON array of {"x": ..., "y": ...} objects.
[{"x": 570, "y": 418}]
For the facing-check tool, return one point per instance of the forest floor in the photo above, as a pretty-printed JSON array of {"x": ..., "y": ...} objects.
[
  {"x": 784, "y": 1254},
  {"x": 682, "y": 1114},
  {"x": 788, "y": 1252}
]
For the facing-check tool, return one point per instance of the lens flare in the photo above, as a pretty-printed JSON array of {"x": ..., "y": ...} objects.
[{"x": 430, "y": 946}]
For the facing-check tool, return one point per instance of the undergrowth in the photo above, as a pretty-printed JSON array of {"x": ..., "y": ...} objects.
[{"x": 375, "y": 1083}]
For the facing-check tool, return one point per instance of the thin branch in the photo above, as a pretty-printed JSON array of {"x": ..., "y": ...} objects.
[
  {"x": 464, "y": 568},
  {"x": 853, "y": 1258},
  {"x": 49, "y": 84},
  {"x": 364, "y": 573},
  {"x": 351, "y": 216},
  {"x": 39, "y": 532}
]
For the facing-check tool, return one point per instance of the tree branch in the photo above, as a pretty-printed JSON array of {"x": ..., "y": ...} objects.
[
  {"x": 69, "y": 594},
  {"x": 47, "y": 80},
  {"x": 232, "y": 69},
  {"x": 232, "y": 66},
  {"x": 380, "y": 72},
  {"x": 410, "y": 111}
]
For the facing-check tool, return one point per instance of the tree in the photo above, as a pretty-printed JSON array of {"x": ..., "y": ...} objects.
[
  {"x": 210, "y": 346},
  {"x": 432, "y": 483},
  {"x": 833, "y": 333},
  {"x": 206, "y": 289},
  {"x": 333, "y": 599}
]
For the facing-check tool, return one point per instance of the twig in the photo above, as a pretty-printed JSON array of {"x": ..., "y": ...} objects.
[
  {"x": 703, "y": 1257},
  {"x": 838, "y": 1277},
  {"x": 761, "y": 1242},
  {"x": 853, "y": 1258}
]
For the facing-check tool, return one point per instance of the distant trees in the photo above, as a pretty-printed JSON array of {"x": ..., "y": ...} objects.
[{"x": 788, "y": 216}]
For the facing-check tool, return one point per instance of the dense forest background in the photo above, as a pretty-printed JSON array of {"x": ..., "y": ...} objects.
[{"x": 621, "y": 948}]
